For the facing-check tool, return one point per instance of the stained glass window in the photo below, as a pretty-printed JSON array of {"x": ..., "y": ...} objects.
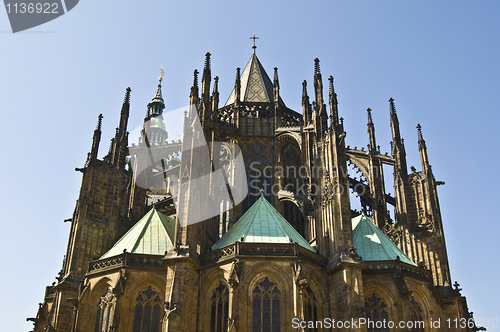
[
  {"x": 219, "y": 311},
  {"x": 376, "y": 311},
  {"x": 147, "y": 311},
  {"x": 266, "y": 307}
]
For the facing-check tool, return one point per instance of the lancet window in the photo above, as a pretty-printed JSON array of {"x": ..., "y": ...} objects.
[
  {"x": 416, "y": 316},
  {"x": 266, "y": 307},
  {"x": 310, "y": 307},
  {"x": 219, "y": 310},
  {"x": 147, "y": 311},
  {"x": 376, "y": 311},
  {"x": 259, "y": 171}
]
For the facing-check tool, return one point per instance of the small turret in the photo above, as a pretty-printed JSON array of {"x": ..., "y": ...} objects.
[
  {"x": 153, "y": 132},
  {"x": 156, "y": 106}
]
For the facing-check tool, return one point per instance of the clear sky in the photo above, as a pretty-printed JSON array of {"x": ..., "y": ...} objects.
[{"x": 439, "y": 60}]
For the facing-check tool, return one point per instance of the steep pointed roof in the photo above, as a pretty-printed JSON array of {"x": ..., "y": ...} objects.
[
  {"x": 153, "y": 235},
  {"x": 262, "y": 223},
  {"x": 158, "y": 98},
  {"x": 256, "y": 86},
  {"x": 372, "y": 244}
]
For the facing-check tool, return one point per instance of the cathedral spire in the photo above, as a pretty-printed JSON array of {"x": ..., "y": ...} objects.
[
  {"x": 215, "y": 96},
  {"x": 334, "y": 112},
  {"x": 396, "y": 136},
  {"x": 118, "y": 149},
  {"x": 276, "y": 87},
  {"x": 124, "y": 114},
  {"x": 398, "y": 148},
  {"x": 205, "y": 80},
  {"x": 193, "y": 97},
  {"x": 96, "y": 139},
  {"x": 318, "y": 85},
  {"x": 306, "y": 105},
  {"x": 237, "y": 87},
  {"x": 422, "y": 148},
  {"x": 371, "y": 132}
]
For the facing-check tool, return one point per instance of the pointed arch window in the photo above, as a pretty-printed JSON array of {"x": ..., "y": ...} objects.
[
  {"x": 416, "y": 316},
  {"x": 266, "y": 307},
  {"x": 310, "y": 307},
  {"x": 257, "y": 160},
  {"x": 105, "y": 312},
  {"x": 147, "y": 311},
  {"x": 292, "y": 174},
  {"x": 376, "y": 311},
  {"x": 219, "y": 310}
]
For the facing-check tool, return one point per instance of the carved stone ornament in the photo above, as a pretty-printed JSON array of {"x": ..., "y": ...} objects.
[
  {"x": 234, "y": 274},
  {"x": 169, "y": 308},
  {"x": 328, "y": 193}
]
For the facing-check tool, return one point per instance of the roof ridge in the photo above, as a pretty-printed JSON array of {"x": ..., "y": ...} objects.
[
  {"x": 273, "y": 212},
  {"x": 143, "y": 230}
]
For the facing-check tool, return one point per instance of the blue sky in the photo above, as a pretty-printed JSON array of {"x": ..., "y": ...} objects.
[{"x": 438, "y": 60}]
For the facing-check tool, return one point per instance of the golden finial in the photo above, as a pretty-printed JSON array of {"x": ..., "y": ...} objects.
[{"x": 161, "y": 74}]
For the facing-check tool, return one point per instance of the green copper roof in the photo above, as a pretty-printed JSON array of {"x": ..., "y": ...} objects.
[
  {"x": 372, "y": 244},
  {"x": 262, "y": 223},
  {"x": 158, "y": 98},
  {"x": 255, "y": 84},
  {"x": 153, "y": 234}
]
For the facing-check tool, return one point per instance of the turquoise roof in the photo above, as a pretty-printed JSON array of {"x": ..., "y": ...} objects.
[
  {"x": 372, "y": 244},
  {"x": 158, "y": 98},
  {"x": 153, "y": 234},
  {"x": 262, "y": 223}
]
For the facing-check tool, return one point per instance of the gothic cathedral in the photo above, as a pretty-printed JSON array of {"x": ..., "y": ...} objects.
[{"x": 253, "y": 229}]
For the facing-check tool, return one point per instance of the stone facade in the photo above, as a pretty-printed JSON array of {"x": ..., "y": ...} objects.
[{"x": 254, "y": 286}]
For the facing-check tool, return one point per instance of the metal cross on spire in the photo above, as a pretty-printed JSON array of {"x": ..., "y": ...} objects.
[{"x": 254, "y": 47}]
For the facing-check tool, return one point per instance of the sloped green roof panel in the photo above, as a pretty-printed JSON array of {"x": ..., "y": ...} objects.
[
  {"x": 262, "y": 223},
  {"x": 372, "y": 244},
  {"x": 153, "y": 234}
]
